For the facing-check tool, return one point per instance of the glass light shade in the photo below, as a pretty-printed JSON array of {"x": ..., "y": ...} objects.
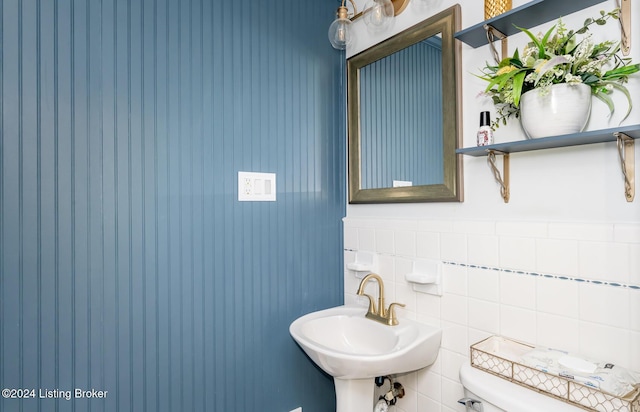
[
  {"x": 341, "y": 33},
  {"x": 378, "y": 15}
]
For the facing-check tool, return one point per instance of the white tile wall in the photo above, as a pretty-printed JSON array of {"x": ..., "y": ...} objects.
[{"x": 546, "y": 283}]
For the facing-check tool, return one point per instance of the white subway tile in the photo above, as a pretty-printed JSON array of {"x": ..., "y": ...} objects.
[
  {"x": 429, "y": 384},
  {"x": 405, "y": 295},
  {"x": 443, "y": 226},
  {"x": 428, "y": 245},
  {"x": 558, "y": 332},
  {"x": 385, "y": 241},
  {"x": 408, "y": 403},
  {"x": 454, "y": 279},
  {"x": 405, "y": 243},
  {"x": 605, "y": 343},
  {"x": 559, "y": 257},
  {"x": 355, "y": 222},
  {"x": 396, "y": 224},
  {"x": 634, "y": 264},
  {"x": 518, "y": 290},
  {"x": 351, "y": 283},
  {"x": 366, "y": 239},
  {"x": 350, "y": 238},
  {"x": 454, "y": 338},
  {"x": 626, "y": 232},
  {"x": 386, "y": 266},
  {"x": 604, "y": 261},
  {"x": 517, "y": 253},
  {"x": 475, "y": 226},
  {"x": 635, "y": 351},
  {"x": 453, "y": 247},
  {"x": 517, "y": 323},
  {"x": 352, "y": 299},
  {"x": 451, "y": 392},
  {"x": 428, "y": 305},
  {"x": 522, "y": 229},
  {"x": 558, "y": 297},
  {"x": 484, "y": 316},
  {"x": 390, "y": 294},
  {"x": 436, "y": 367},
  {"x": 428, "y": 404},
  {"x": 605, "y": 304},
  {"x": 581, "y": 231},
  {"x": 451, "y": 363},
  {"x": 634, "y": 304},
  {"x": 484, "y": 284},
  {"x": 365, "y": 222},
  {"x": 483, "y": 250},
  {"x": 454, "y": 308}
]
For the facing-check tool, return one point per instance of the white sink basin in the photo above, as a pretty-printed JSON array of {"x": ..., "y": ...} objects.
[{"x": 347, "y": 345}]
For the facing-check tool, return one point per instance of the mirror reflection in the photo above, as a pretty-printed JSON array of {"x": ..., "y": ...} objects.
[{"x": 401, "y": 118}]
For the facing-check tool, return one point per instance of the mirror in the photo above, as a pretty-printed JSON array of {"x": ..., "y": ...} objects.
[{"x": 403, "y": 116}]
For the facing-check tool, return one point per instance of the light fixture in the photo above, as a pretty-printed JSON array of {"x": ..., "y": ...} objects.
[
  {"x": 378, "y": 16},
  {"x": 340, "y": 32}
]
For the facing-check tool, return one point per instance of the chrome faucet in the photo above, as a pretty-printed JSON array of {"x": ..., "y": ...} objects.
[{"x": 379, "y": 313}]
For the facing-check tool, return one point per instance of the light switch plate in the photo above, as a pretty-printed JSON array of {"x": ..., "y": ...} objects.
[{"x": 256, "y": 187}]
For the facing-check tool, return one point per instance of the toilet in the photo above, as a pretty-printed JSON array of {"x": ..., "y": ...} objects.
[{"x": 485, "y": 392}]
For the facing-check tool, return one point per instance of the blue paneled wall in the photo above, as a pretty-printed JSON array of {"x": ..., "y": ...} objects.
[{"x": 127, "y": 264}]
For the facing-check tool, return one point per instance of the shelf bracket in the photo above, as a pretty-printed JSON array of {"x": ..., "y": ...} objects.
[
  {"x": 492, "y": 33},
  {"x": 503, "y": 179},
  {"x": 627, "y": 162},
  {"x": 625, "y": 26}
]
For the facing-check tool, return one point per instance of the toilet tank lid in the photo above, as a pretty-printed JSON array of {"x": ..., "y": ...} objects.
[{"x": 508, "y": 396}]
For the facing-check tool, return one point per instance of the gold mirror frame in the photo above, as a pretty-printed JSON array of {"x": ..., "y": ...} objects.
[{"x": 445, "y": 23}]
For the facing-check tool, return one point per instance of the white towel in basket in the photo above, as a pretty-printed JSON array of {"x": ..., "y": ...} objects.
[{"x": 607, "y": 377}]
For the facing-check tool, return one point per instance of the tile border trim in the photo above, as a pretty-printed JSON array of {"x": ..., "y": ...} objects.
[{"x": 546, "y": 275}]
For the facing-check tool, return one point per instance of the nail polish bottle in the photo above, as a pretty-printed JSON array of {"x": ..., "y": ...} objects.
[{"x": 485, "y": 134}]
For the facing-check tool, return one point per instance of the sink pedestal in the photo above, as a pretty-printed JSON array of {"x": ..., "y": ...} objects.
[{"x": 354, "y": 395}]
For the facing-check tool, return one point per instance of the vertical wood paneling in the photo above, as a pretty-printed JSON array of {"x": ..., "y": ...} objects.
[
  {"x": 406, "y": 143},
  {"x": 126, "y": 262}
]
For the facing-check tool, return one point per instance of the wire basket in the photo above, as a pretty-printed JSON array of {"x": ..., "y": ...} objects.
[
  {"x": 496, "y": 355},
  {"x": 493, "y": 8}
]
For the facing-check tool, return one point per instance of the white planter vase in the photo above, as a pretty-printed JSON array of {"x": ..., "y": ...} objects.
[{"x": 564, "y": 109}]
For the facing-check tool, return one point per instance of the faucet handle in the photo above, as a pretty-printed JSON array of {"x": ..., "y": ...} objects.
[
  {"x": 372, "y": 308},
  {"x": 391, "y": 313}
]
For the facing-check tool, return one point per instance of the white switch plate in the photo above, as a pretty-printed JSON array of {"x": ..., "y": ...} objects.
[
  {"x": 402, "y": 183},
  {"x": 256, "y": 187},
  {"x": 297, "y": 410}
]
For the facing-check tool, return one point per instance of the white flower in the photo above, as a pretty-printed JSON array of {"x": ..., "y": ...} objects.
[
  {"x": 570, "y": 78},
  {"x": 584, "y": 49}
]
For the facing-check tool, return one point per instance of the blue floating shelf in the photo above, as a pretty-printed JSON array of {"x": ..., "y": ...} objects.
[
  {"x": 528, "y": 15},
  {"x": 574, "y": 139}
]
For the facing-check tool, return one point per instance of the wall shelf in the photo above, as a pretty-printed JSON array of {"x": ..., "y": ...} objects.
[
  {"x": 624, "y": 136},
  {"x": 528, "y": 15},
  {"x": 575, "y": 139}
]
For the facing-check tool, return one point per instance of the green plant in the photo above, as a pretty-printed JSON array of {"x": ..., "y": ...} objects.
[{"x": 559, "y": 57}]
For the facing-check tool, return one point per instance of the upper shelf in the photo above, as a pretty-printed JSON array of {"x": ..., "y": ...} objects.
[
  {"x": 574, "y": 139},
  {"x": 528, "y": 15}
]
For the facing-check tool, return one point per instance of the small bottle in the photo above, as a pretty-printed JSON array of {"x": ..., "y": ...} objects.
[{"x": 485, "y": 133}]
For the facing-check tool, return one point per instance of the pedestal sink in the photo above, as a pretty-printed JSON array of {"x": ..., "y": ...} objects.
[{"x": 354, "y": 350}]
